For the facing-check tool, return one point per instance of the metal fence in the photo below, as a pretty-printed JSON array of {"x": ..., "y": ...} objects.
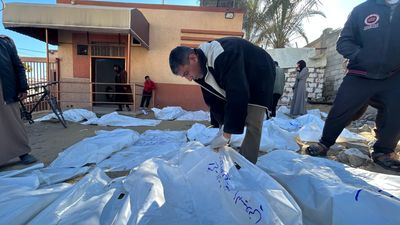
[
  {"x": 84, "y": 94},
  {"x": 37, "y": 76}
]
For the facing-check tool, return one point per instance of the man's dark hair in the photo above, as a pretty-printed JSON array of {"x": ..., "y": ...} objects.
[
  {"x": 146, "y": 77},
  {"x": 276, "y": 63},
  {"x": 179, "y": 56}
]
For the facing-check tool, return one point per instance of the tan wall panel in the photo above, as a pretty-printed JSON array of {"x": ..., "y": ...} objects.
[
  {"x": 188, "y": 97},
  {"x": 65, "y": 53},
  {"x": 75, "y": 100},
  {"x": 165, "y": 34}
]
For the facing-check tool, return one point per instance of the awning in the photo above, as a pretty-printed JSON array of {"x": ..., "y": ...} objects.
[{"x": 33, "y": 19}]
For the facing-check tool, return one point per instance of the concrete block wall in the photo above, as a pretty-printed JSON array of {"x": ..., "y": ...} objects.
[
  {"x": 314, "y": 85},
  {"x": 335, "y": 66}
]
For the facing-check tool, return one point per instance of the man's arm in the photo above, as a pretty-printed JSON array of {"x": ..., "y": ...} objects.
[
  {"x": 231, "y": 68},
  {"x": 216, "y": 106},
  {"x": 347, "y": 44}
]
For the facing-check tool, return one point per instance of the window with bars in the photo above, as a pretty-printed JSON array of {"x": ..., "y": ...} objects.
[{"x": 113, "y": 50}]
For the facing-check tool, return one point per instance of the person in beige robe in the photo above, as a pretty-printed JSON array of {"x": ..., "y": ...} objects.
[
  {"x": 13, "y": 87},
  {"x": 298, "y": 106}
]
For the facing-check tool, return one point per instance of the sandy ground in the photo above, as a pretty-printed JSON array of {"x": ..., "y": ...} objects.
[{"x": 47, "y": 139}]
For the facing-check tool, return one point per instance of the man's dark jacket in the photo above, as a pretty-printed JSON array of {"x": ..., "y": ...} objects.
[
  {"x": 370, "y": 39},
  {"x": 12, "y": 72},
  {"x": 237, "y": 74}
]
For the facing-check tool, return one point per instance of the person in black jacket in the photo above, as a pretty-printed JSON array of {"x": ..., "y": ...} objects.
[
  {"x": 13, "y": 88},
  {"x": 370, "y": 40},
  {"x": 237, "y": 81}
]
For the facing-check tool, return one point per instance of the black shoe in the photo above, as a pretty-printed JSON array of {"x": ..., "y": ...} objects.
[{"x": 27, "y": 159}]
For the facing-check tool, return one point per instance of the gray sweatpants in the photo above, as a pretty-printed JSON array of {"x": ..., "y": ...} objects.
[
  {"x": 251, "y": 143},
  {"x": 354, "y": 94}
]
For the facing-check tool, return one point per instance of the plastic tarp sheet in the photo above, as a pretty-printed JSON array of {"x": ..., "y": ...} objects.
[
  {"x": 81, "y": 204},
  {"x": 309, "y": 128},
  {"x": 329, "y": 192},
  {"x": 195, "y": 116},
  {"x": 115, "y": 119},
  {"x": 272, "y": 137},
  {"x": 20, "y": 208},
  {"x": 198, "y": 186},
  {"x": 177, "y": 113},
  {"x": 152, "y": 143},
  {"x": 12, "y": 173},
  {"x": 133, "y": 156},
  {"x": 168, "y": 113},
  {"x": 159, "y": 137},
  {"x": 12, "y": 185},
  {"x": 73, "y": 115},
  {"x": 95, "y": 149},
  {"x": 47, "y": 176}
]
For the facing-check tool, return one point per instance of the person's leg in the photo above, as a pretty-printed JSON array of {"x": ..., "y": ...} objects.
[
  {"x": 251, "y": 142},
  {"x": 387, "y": 125},
  {"x": 275, "y": 100},
  {"x": 148, "y": 98},
  {"x": 353, "y": 94},
  {"x": 142, "y": 101},
  {"x": 387, "y": 121}
]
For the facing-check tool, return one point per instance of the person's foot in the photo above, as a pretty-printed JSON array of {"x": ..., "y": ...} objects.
[
  {"x": 27, "y": 159},
  {"x": 387, "y": 161},
  {"x": 317, "y": 150}
]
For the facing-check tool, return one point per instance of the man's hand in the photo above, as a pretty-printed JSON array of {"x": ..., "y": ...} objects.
[
  {"x": 220, "y": 140},
  {"x": 22, "y": 96}
]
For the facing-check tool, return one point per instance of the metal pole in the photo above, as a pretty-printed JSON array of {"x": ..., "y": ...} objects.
[{"x": 47, "y": 55}]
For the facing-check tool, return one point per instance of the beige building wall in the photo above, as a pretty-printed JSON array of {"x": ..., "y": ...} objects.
[
  {"x": 75, "y": 93},
  {"x": 169, "y": 28},
  {"x": 165, "y": 34}
]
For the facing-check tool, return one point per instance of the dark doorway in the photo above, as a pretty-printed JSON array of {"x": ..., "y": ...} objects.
[{"x": 103, "y": 72}]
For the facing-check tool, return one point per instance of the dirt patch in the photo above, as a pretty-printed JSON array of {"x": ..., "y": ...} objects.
[{"x": 47, "y": 139}]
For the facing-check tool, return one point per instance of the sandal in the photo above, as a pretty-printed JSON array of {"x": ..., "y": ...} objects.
[
  {"x": 386, "y": 161},
  {"x": 317, "y": 150}
]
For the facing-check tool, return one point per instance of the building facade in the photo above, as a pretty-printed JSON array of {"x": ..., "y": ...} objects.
[{"x": 92, "y": 36}]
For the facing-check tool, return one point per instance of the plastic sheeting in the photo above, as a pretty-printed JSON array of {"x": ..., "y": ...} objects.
[
  {"x": 159, "y": 137},
  {"x": 309, "y": 128},
  {"x": 329, "y": 192},
  {"x": 73, "y": 115},
  {"x": 47, "y": 176},
  {"x": 168, "y": 113},
  {"x": 133, "y": 156},
  {"x": 12, "y": 173},
  {"x": 95, "y": 149},
  {"x": 272, "y": 137},
  {"x": 152, "y": 143},
  {"x": 81, "y": 204},
  {"x": 199, "y": 132},
  {"x": 12, "y": 185},
  {"x": 195, "y": 116},
  {"x": 199, "y": 186},
  {"x": 115, "y": 119},
  {"x": 20, "y": 208},
  {"x": 177, "y": 113}
]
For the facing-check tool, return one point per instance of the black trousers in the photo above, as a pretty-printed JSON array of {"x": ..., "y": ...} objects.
[
  {"x": 354, "y": 95},
  {"x": 146, "y": 97},
  {"x": 275, "y": 100}
]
